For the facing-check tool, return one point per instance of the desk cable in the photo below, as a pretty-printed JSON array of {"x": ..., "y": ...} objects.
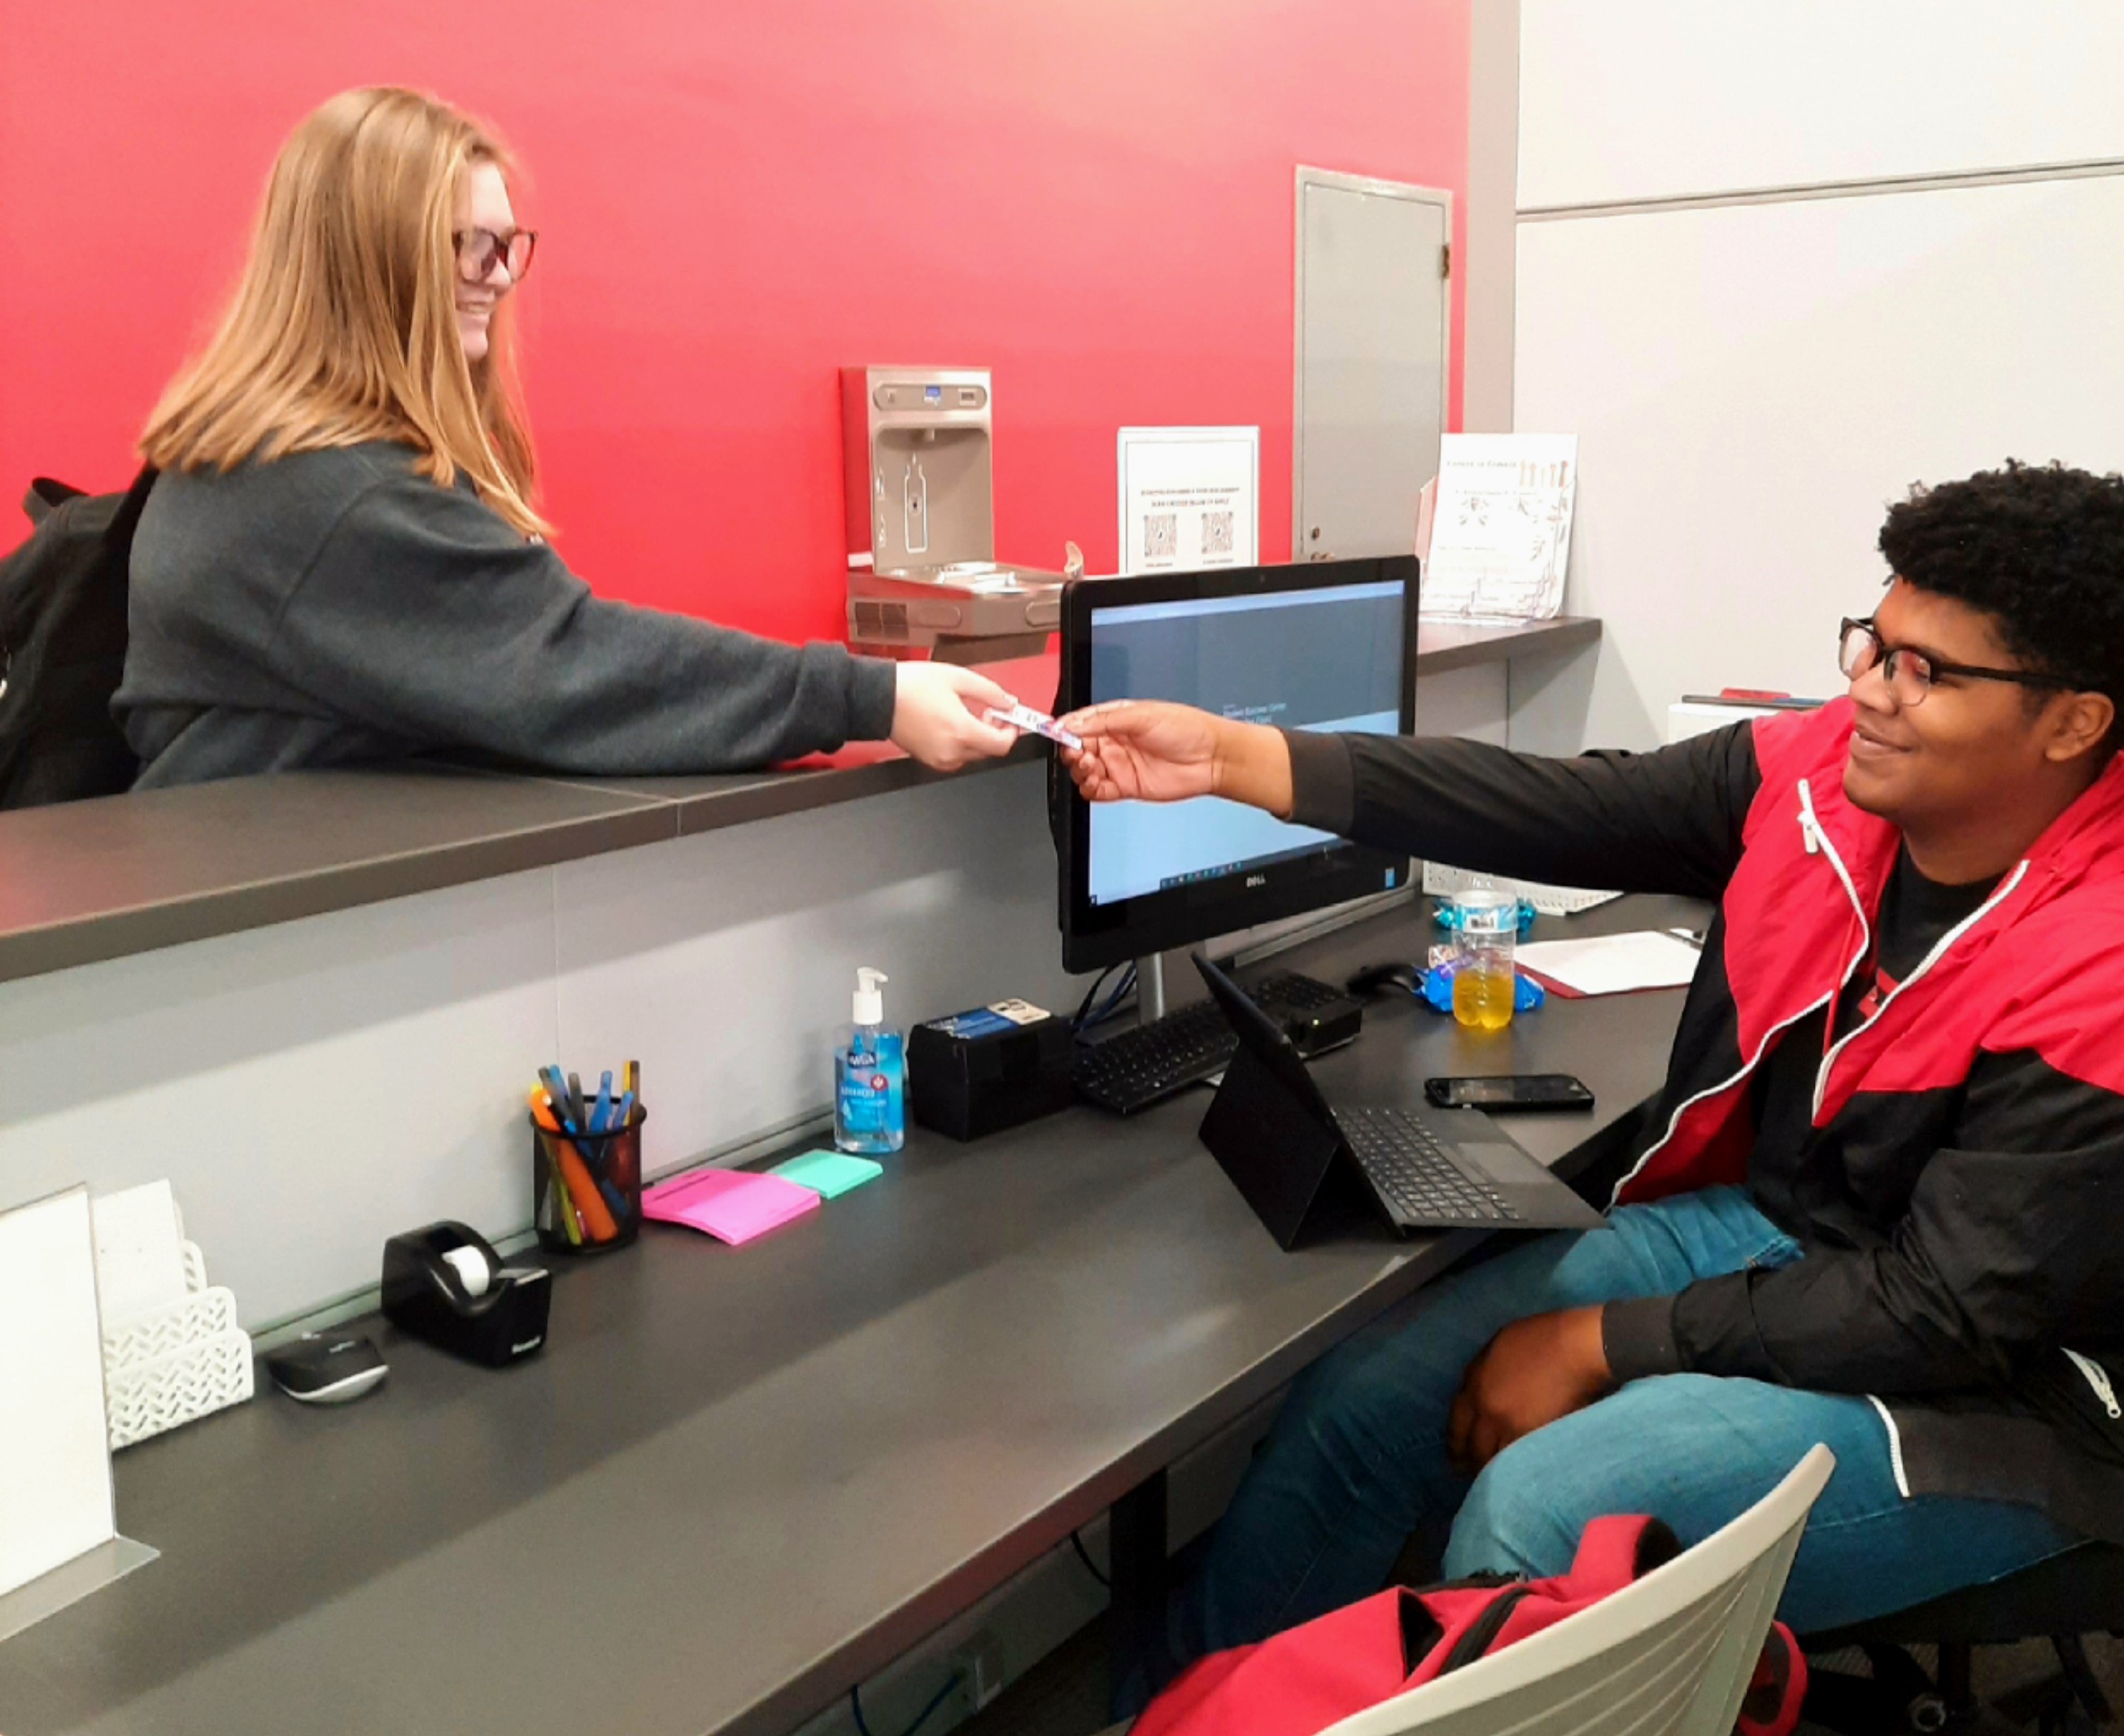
[
  {"x": 1091, "y": 1566},
  {"x": 1087, "y": 1018},
  {"x": 921, "y": 1718}
]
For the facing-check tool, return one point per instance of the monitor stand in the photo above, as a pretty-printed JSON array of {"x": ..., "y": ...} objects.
[
  {"x": 1150, "y": 989},
  {"x": 1165, "y": 982}
]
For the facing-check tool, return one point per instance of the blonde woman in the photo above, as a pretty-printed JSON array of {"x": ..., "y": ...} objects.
[{"x": 342, "y": 562}]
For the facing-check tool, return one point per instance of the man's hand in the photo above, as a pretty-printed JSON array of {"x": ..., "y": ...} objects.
[
  {"x": 1149, "y": 751},
  {"x": 1534, "y": 1372}
]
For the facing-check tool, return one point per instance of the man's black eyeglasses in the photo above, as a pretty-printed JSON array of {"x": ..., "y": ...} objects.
[
  {"x": 1910, "y": 674},
  {"x": 478, "y": 249}
]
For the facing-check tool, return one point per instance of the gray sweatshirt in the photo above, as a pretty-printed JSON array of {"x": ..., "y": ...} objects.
[{"x": 334, "y": 606}]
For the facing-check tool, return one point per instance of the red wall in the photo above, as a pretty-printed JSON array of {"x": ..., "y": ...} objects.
[{"x": 1094, "y": 197}]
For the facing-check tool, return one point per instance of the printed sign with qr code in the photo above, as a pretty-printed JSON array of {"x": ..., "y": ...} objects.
[
  {"x": 1161, "y": 536},
  {"x": 1217, "y": 533}
]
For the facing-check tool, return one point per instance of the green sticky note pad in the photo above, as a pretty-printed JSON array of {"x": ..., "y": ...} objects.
[{"x": 828, "y": 1174}]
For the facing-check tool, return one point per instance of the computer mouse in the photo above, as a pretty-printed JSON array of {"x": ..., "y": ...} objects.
[
  {"x": 1394, "y": 974},
  {"x": 327, "y": 1367}
]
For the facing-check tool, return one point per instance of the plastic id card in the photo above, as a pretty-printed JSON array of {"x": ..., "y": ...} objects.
[{"x": 1023, "y": 717}]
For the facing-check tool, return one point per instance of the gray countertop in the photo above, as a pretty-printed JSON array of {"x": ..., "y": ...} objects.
[
  {"x": 101, "y": 879},
  {"x": 737, "y": 1482}
]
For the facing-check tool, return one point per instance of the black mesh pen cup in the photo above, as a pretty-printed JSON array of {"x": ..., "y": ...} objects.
[{"x": 586, "y": 1188}]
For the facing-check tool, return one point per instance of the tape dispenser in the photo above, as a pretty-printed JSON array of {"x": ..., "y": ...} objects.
[{"x": 446, "y": 1284}]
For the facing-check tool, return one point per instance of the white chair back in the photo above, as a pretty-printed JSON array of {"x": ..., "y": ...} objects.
[{"x": 1671, "y": 1655}]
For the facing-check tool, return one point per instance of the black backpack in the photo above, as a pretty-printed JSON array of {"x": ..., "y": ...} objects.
[{"x": 63, "y": 597}]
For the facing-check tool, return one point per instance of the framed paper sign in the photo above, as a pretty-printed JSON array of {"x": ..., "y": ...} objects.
[{"x": 1190, "y": 499}]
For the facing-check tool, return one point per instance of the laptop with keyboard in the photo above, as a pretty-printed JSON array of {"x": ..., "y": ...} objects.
[{"x": 1300, "y": 1162}]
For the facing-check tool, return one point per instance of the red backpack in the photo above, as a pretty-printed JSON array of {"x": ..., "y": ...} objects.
[{"x": 1300, "y": 1682}]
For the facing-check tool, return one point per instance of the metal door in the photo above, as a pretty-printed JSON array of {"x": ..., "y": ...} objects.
[{"x": 1373, "y": 321}]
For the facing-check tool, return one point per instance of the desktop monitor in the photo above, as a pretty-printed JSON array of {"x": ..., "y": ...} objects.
[{"x": 1327, "y": 645}]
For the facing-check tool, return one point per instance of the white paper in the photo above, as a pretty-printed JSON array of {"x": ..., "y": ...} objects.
[
  {"x": 1189, "y": 497},
  {"x": 1500, "y": 527},
  {"x": 54, "y": 1448},
  {"x": 139, "y": 1258},
  {"x": 1614, "y": 964}
]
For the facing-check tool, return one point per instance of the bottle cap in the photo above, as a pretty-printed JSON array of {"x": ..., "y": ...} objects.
[{"x": 870, "y": 1004}]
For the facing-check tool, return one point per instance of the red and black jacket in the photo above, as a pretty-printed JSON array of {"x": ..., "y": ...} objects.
[{"x": 1971, "y": 1281}]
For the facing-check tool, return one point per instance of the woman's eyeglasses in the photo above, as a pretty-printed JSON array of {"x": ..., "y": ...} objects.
[
  {"x": 478, "y": 249},
  {"x": 1910, "y": 674}
]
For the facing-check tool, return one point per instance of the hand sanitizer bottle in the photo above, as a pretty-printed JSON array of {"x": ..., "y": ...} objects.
[{"x": 870, "y": 1076}]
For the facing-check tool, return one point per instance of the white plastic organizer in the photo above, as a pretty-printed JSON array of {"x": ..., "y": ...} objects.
[{"x": 178, "y": 1362}]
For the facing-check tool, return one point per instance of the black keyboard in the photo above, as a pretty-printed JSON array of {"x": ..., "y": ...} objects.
[
  {"x": 1133, "y": 1069},
  {"x": 1409, "y": 1165}
]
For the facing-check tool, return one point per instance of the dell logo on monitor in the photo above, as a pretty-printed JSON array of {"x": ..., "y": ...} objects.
[{"x": 1256, "y": 879}]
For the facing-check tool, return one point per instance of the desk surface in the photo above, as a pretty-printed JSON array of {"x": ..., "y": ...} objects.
[
  {"x": 100, "y": 880},
  {"x": 735, "y": 1483}
]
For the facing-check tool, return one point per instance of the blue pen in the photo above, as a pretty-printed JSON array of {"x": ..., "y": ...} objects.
[
  {"x": 564, "y": 1112},
  {"x": 603, "y": 1107},
  {"x": 566, "y": 1101},
  {"x": 623, "y": 1113}
]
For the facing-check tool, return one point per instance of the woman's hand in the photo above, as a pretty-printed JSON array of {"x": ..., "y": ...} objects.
[
  {"x": 1146, "y": 750},
  {"x": 935, "y": 715}
]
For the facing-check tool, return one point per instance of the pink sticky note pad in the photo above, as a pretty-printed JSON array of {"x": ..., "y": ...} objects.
[{"x": 731, "y": 1205}]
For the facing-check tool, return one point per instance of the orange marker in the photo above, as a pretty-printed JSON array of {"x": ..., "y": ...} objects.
[
  {"x": 598, "y": 1222},
  {"x": 564, "y": 1207}
]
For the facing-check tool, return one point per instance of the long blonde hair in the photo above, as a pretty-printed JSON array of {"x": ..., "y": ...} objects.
[{"x": 344, "y": 327}]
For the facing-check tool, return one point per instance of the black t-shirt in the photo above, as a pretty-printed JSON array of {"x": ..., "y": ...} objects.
[{"x": 1794, "y": 1193}]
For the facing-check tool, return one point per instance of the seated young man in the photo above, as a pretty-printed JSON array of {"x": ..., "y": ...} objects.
[{"x": 1879, "y": 1202}]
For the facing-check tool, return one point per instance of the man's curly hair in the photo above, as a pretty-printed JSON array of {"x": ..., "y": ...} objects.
[{"x": 2040, "y": 549}]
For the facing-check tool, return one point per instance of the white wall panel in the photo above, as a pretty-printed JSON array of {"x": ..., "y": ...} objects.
[
  {"x": 1752, "y": 385},
  {"x": 312, "y": 1087},
  {"x": 1637, "y": 99},
  {"x": 309, "y": 1088}
]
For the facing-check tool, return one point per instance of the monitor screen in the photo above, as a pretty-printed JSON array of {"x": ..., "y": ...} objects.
[{"x": 1319, "y": 646}]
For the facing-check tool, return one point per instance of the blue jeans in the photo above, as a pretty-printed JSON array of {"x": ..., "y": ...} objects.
[{"x": 1357, "y": 1462}]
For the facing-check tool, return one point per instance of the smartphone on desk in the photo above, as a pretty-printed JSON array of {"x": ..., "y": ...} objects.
[{"x": 1503, "y": 1094}]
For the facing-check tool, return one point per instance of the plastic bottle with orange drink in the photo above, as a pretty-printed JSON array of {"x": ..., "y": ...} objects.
[{"x": 1485, "y": 922}]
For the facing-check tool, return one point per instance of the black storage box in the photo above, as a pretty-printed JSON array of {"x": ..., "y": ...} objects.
[{"x": 978, "y": 1071}]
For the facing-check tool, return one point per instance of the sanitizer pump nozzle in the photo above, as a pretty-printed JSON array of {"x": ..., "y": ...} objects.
[
  {"x": 870, "y": 1076},
  {"x": 870, "y": 1004}
]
